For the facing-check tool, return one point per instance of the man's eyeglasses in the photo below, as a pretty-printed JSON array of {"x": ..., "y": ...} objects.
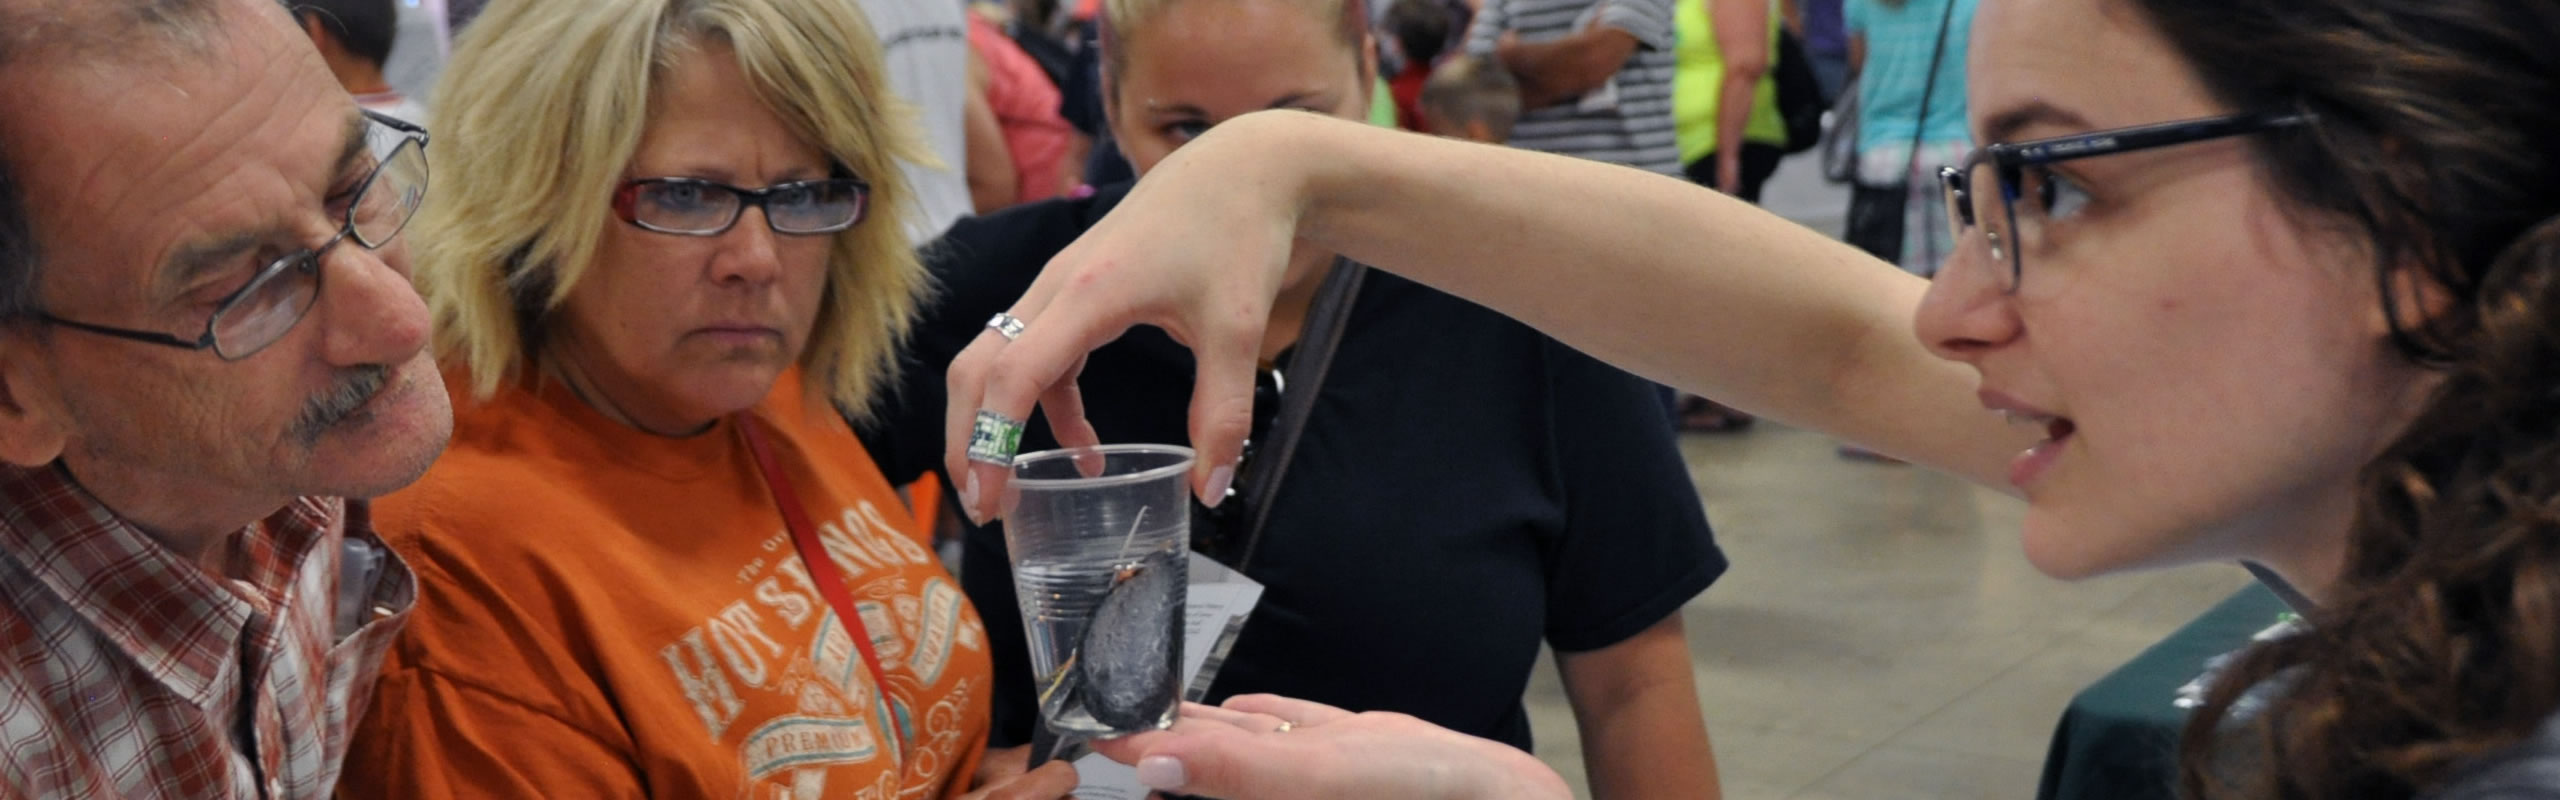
[
  {"x": 279, "y": 294},
  {"x": 2028, "y": 196},
  {"x": 694, "y": 207}
]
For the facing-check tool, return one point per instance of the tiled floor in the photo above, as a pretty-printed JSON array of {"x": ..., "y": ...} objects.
[{"x": 1880, "y": 635}]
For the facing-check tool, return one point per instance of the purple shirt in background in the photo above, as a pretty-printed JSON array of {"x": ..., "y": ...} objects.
[{"x": 1824, "y": 32}]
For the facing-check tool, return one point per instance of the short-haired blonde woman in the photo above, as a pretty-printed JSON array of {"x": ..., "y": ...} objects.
[{"x": 657, "y": 277}]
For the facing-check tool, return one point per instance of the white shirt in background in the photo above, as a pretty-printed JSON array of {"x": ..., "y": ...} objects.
[
  {"x": 396, "y": 105},
  {"x": 926, "y": 44},
  {"x": 418, "y": 51}
]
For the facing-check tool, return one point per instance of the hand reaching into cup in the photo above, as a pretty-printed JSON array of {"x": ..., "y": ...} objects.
[
  {"x": 1265, "y": 747},
  {"x": 1131, "y": 269}
]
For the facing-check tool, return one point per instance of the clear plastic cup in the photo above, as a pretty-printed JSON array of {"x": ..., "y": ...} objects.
[{"x": 1101, "y": 541}]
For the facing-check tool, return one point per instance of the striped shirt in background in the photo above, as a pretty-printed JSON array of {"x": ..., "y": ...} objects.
[
  {"x": 1627, "y": 121},
  {"x": 129, "y": 671}
]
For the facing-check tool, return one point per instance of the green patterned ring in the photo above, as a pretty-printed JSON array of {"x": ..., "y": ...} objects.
[{"x": 995, "y": 439}]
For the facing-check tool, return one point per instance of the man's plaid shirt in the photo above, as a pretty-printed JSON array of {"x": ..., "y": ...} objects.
[{"x": 128, "y": 670}]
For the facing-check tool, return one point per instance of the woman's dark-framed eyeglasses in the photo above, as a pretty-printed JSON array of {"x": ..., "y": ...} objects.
[
  {"x": 2017, "y": 171},
  {"x": 696, "y": 207},
  {"x": 278, "y": 295}
]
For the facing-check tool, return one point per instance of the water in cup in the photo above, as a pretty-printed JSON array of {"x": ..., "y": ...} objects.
[{"x": 1100, "y": 566}]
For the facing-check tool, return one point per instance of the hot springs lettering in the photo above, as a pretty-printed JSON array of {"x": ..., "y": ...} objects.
[{"x": 780, "y": 646}]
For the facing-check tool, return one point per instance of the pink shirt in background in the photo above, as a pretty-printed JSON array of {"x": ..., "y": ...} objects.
[{"x": 1026, "y": 107}]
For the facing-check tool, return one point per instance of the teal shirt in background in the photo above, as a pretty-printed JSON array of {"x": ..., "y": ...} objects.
[{"x": 1900, "y": 38}]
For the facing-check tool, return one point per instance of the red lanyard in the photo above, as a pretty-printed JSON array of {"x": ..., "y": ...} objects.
[{"x": 823, "y": 573}]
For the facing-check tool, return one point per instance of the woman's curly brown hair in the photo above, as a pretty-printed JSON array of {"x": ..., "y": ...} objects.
[{"x": 2438, "y": 120}]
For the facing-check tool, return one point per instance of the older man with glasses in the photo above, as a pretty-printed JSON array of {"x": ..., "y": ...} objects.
[{"x": 209, "y": 348}]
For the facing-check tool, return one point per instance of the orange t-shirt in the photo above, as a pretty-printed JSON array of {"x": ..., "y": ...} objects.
[{"x": 605, "y": 613}]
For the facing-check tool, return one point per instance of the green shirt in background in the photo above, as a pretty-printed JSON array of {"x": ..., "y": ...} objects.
[
  {"x": 1382, "y": 104},
  {"x": 1698, "y": 85}
]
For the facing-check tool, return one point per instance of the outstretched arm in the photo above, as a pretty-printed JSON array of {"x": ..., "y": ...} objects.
[{"x": 1636, "y": 269}]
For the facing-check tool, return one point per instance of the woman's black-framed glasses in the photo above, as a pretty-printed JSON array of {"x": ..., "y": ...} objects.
[
  {"x": 2027, "y": 194},
  {"x": 278, "y": 295},
  {"x": 696, "y": 207}
]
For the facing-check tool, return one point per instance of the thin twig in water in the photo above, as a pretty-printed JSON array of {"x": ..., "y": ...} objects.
[{"x": 1132, "y": 537}]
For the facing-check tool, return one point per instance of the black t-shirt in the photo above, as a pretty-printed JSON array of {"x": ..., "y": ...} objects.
[{"x": 1466, "y": 488}]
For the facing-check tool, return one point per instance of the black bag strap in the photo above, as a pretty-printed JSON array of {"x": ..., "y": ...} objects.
[
  {"x": 1299, "y": 385},
  {"x": 1920, "y": 128},
  {"x": 2283, "y": 589},
  {"x": 1929, "y": 88}
]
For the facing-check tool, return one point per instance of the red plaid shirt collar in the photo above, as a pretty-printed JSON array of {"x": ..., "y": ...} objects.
[
  {"x": 120, "y": 627},
  {"x": 178, "y": 623}
]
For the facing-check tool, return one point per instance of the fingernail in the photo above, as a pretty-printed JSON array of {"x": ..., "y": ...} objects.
[
  {"x": 969, "y": 497},
  {"x": 1219, "y": 480},
  {"x": 1162, "y": 773}
]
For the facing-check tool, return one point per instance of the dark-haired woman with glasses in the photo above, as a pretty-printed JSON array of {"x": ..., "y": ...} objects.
[
  {"x": 2269, "y": 281},
  {"x": 655, "y": 562}
]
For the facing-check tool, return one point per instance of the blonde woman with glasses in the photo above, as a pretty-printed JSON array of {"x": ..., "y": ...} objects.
[{"x": 655, "y": 561}]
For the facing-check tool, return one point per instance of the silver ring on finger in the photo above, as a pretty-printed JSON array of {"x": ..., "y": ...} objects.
[
  {"x": 1006, "y": 325},
  {"x": 1285, "y": 727}
]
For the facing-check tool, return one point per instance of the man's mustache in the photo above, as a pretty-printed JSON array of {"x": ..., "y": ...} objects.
[{"x": 351, "y": 391}]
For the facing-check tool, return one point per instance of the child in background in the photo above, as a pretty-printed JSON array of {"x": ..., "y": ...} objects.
[
  {"x": 1421, "y": 31},
  {"x": 1470, "y": 98}
]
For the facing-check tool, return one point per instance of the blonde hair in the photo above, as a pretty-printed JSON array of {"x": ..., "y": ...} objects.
[
  {"x": 1119, "y": 17},
  {"x": 542, "y": 110}
]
